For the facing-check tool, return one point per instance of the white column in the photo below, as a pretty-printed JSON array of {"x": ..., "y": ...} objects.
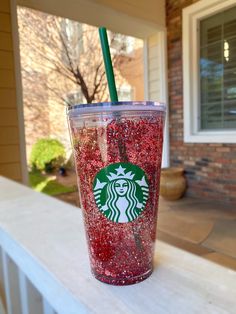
[
  {"x": 162, "y": 52},
  {"x": 155, "y": 79}
]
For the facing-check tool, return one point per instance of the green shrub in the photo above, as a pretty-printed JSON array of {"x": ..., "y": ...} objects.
[{"x": 47, "y": 154}]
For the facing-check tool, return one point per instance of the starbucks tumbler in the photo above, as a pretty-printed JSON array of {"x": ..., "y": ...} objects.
[{"x": 118, "y": 152}]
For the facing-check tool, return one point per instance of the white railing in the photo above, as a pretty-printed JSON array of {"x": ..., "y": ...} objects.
[
  {"x": 44, "y": 267},
  {"x": 19, "y": 294}
]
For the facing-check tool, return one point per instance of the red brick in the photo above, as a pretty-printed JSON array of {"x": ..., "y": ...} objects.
[{"x": 223, "y": 149}]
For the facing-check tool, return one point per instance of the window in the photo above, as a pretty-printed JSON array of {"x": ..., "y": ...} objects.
[
  {"x": 218, "y": 71},
  {"x": 72, "y": 34},
  {"x": 209, "y": 64},
  {"x": 125, "y": 93},
  {"x": 121, "y": 44},
  {"x": 74, "y": 98}
]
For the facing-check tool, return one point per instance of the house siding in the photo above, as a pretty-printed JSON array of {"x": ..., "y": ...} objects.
[
  {"x": 210, "y": 168},
  {"x": 153, "y": 68},
  {"x": 10, "y": 158}
]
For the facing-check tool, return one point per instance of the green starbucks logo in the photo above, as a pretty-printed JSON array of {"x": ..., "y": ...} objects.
[{"x": 121, "y": 191}]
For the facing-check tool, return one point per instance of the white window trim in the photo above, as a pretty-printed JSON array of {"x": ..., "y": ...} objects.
[{"x": 191, "y": 18}]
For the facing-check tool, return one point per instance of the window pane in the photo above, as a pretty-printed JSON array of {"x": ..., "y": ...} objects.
[
  {"x": 211, "y": 74},
  {"x": 125, "y": 93},
  {"x": 211, "y": 30},
  {"x": 218, "y": 71}
]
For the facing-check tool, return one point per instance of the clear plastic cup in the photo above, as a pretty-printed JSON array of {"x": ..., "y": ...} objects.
[{"x": 118, "y": 152}]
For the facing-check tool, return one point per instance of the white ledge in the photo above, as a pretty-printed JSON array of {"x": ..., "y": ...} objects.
[{"x": 45, "y": 238}]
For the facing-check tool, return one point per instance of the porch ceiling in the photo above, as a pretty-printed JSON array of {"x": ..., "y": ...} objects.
[{"x": 137, "y": 18}]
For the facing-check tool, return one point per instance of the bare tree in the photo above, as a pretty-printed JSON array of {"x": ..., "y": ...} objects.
[
  {"x": 68, "y": 52},
  {"x": 62, "y": 64}
]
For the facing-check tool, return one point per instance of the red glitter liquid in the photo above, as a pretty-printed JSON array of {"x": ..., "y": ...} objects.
[{"x": 120, "y": 253}]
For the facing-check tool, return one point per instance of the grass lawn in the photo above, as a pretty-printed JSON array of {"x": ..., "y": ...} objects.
[{"x": 47, "y": 184}]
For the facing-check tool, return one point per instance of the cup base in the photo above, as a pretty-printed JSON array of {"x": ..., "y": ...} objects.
[{"x": 122, "y": 281}]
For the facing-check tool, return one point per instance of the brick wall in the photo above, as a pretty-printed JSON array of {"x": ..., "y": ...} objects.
[{"x": 210, "y": 168}]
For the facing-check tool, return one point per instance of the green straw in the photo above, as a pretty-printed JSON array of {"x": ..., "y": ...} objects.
[
  {"x": 114, "y": 97},
  {"x": 108, "y": 64}
]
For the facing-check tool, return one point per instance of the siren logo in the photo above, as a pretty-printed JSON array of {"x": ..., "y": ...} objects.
[{"x": 121, "y": 191}]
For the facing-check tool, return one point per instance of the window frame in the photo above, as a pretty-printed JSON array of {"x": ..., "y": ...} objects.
[{"x": 192, "y": 16}]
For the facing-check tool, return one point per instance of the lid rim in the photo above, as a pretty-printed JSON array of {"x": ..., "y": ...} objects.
[{"x": 116, "y": 106}]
